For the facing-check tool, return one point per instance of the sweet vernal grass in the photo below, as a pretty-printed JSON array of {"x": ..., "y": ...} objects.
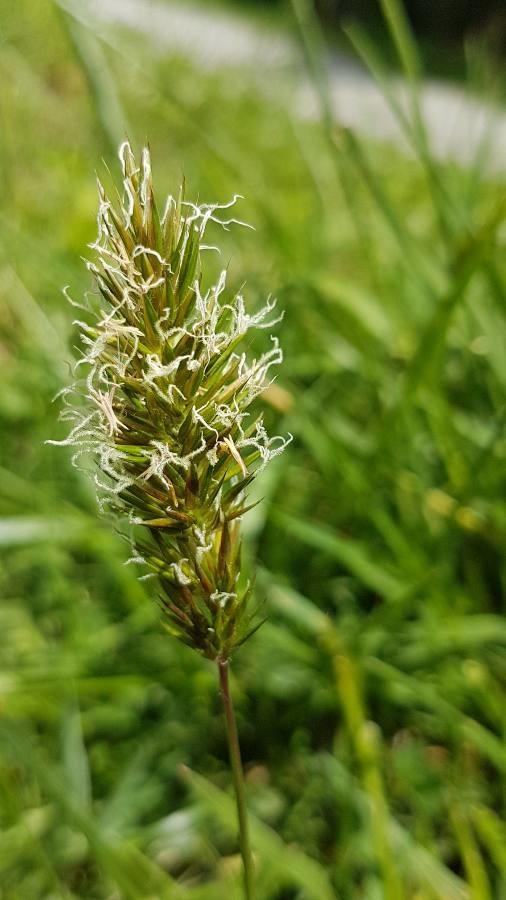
[{"x": 163, "y": 406}]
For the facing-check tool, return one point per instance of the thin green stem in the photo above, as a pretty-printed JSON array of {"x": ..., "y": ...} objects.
[{"x": 238, "y": 779}]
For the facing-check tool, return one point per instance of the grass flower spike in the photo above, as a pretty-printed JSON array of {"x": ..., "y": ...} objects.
[{"x": 167, "y": 395}]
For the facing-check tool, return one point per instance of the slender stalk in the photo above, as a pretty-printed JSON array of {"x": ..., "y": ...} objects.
[{"x": 238, "y": 779}]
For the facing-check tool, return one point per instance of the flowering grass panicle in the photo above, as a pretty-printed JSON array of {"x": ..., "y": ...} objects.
[{"x": 166, "y": 413}]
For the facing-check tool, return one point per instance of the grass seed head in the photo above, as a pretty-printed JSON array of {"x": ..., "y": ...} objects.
[{"x": 166, "y": 413}]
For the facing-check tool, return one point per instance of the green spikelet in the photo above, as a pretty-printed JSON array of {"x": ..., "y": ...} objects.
[{"x": 166, "y": 406}]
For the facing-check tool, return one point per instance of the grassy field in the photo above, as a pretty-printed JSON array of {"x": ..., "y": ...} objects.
[{"x": 371, "y": 704}]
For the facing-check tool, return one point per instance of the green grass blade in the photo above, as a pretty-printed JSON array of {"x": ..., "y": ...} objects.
[
  {"x": 291, "y": 866},
  {"x": 350, "y": 553}
]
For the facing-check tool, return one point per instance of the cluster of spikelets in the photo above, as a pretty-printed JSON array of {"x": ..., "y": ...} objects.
[{"x": 167, "y": 394}]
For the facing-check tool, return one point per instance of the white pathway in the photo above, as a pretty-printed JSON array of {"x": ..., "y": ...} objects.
[{"x": 458, "y": 126}]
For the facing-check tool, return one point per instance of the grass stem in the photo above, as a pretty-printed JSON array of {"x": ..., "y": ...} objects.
[{"x": 238, "y": 779}]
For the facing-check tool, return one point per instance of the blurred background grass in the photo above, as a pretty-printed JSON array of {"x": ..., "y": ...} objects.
[{"x": 371, "y": 705}]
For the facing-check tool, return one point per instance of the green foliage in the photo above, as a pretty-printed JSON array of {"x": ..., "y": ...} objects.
[{"x": 371, "y": 704}]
